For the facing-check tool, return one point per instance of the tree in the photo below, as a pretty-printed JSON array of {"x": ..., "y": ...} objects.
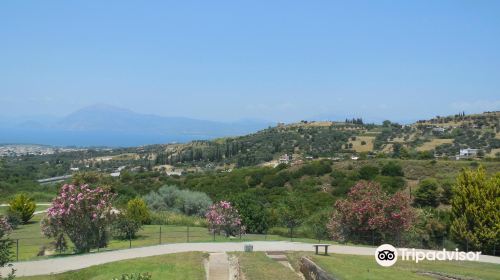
[
  {"x": 222, "y": 216},
  {"x": 292, "y": 211},
  {"x": 5, "y": 246},
  {"x": 447, "y": 192},
  {"x": 368, "y": 172},
  {"x": 427, "y": 193},
  {"x": 83, "y": 214},
  {"x": 138, "y": 211},
  {"x": 393, "y": 169},
  {"x": 125, "y": 227},
  {"x": 170, "y": 198},
  {"x": 254, "y": 214},
  {"x": 476, "y": 210},
  {"x": 368, "y": 211},
  {"x": 23, "y": 205}
]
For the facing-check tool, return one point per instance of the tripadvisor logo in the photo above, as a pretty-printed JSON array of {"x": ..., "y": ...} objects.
[{"x": 386, "y": 255}]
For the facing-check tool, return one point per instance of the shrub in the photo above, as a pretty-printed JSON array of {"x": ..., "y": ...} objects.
[
  {"x": 222, "y": 216},
  {"x": 125, "y": 227},
  {"x": 138, "y": 211},
  {"x": 393, "y": 169},
  {"x": 193, "y": 203},
  {"x": 368, "y": 211},
  {"x": 83, "y": 214},
  {"x": 368, "y": 172},
  {"x": 5, "y": 245},
  {"x": 13, "y": 218},
  {"x": 391, "y": 184},
  {"x": 447, "y": 192},
  {"x": 23, "y": 205},
  {"x": 170, "y": 198},
  {"x": 254, "y": 215},
  {"x": 427, "y": 194}
]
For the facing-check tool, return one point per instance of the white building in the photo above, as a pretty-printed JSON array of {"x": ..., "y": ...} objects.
[
  {"x": 284, "y": 159},
  {"x": 467, "y": 153}
]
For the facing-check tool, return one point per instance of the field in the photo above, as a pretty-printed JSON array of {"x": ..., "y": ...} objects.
[
  {"x": 365, "y": 267},
  {"x": 358, "y": 147},
  {"x": 187, "y": 266},
  {"x": 494, "y": 152},
  {"x": 431, "y": 145}
]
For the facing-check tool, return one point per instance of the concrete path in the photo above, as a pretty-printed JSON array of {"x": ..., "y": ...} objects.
[
  {"x": 218, "y": 266},
  {"x": 38, "y": 204},
  {"x": 62, "y": 264}
]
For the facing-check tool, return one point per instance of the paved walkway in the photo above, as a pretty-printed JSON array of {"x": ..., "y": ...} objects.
[
  {"x": 62, "y": 264},
  {"x": 218, "y": 266}
]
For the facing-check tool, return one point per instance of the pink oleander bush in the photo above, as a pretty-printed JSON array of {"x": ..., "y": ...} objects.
[
  {"x": 368, "y": 212},
  {"x": 82, "y": 213},
  {"x": 5, "y": 245},
  {"x": 223, "y": 217}
]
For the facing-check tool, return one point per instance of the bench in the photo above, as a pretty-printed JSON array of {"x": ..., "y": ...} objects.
[{"x": 316, "y": 246}]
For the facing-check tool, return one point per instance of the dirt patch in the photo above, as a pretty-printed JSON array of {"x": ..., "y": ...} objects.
[{"x": 431, "y": 145}]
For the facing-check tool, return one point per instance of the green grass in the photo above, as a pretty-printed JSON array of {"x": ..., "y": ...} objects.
[
  {"x": 187, "y": 266},
  {"x": 31, "y": 239},
  {"x": 365, "y": 267},
  {"x": 257, "y": 266}
]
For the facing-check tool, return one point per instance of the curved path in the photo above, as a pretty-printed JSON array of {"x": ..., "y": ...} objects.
[{"x": 62, "y": 264}]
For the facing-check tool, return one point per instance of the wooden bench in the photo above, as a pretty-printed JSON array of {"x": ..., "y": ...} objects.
[{"x": 316, "y": 246}]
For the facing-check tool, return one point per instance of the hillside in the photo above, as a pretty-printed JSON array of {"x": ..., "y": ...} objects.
[{"x": 440, "y": 137}]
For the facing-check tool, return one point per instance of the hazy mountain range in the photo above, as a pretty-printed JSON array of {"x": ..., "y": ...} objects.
[{"x": 104, "y": 125}]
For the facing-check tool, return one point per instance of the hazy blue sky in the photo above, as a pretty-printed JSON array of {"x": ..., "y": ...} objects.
[{"x": 273, "y": 60}]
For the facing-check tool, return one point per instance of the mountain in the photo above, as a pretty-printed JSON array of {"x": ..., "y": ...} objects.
[{"x": 104, "y": 125}]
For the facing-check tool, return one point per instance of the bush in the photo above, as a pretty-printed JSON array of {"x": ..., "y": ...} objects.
[
  {"x": 368, "y": 172},
  {"x": 5, "y": 246},
  {"x": 23, "y": 205},
  {"x": 254, "y": 214},
  {"x": 427, "y": 194},
  {"x": 125, "y": 227},
  {"x": 393, "y": 169},
  {"x": 368, "y": 211},
  {"x": 13, "y": 218},
  {"x": 138, "y": 211},
  {"x": 83, "y": 214},
  {"x": 223, "y": 217},
  {"x": 447, "y": 192},
  {"x": 391, "y": 184},
  {"x": 170, "y": 198}
]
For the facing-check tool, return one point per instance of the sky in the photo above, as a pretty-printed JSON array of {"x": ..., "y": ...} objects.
[{"x": 267, "y": 60}]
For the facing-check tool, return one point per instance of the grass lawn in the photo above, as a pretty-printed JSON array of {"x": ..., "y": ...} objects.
[
  {"x": 365, "y": 267},
  {"x": 31, "y": 239},
  {"x": 257, "y": 266},
  {"x": 187, "y": 266}
]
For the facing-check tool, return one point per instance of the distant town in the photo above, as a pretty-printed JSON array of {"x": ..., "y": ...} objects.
[{"x": 13, "y": 150}]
